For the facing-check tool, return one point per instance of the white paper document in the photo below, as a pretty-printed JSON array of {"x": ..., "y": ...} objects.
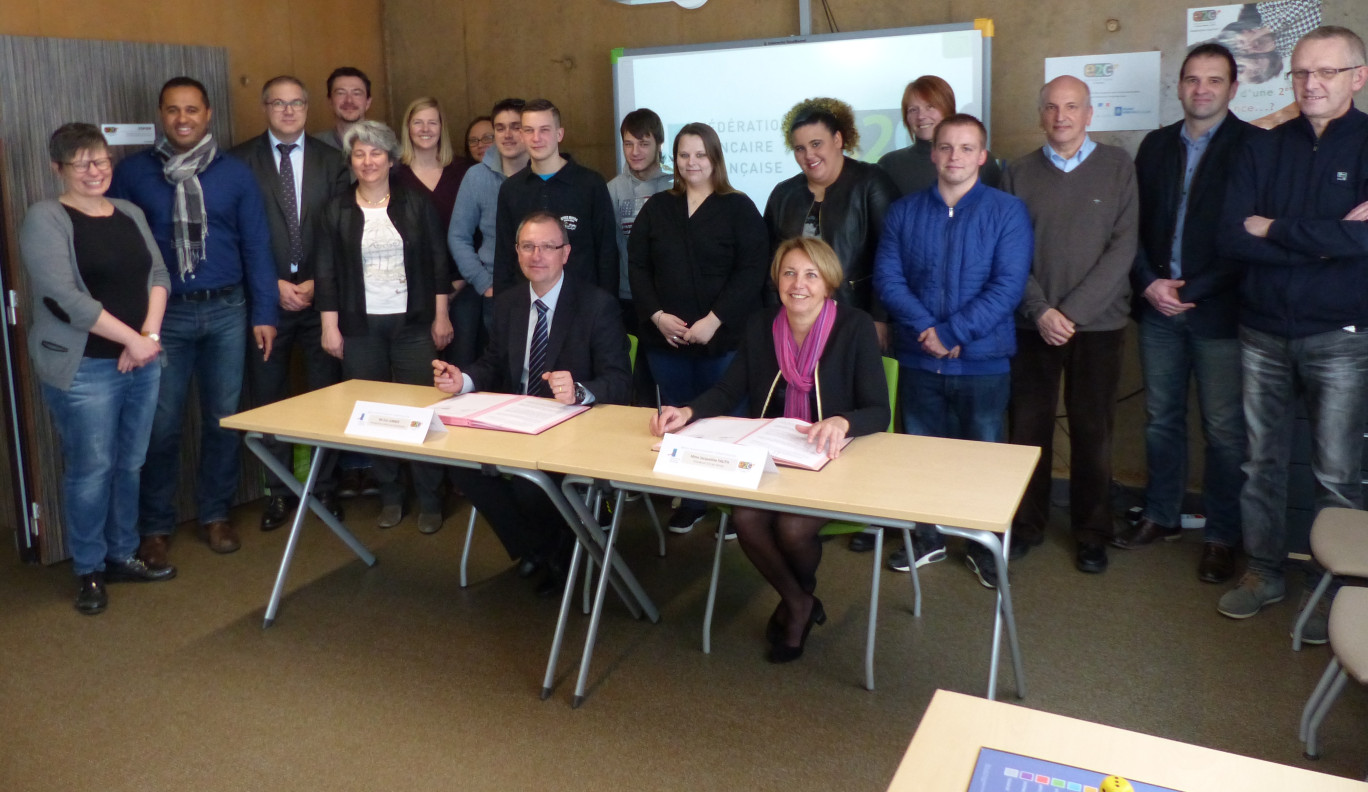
[
  {"x": 393, "y": 422},
  {"x": 709, "y": 460},
  {"x": 505, "y": 412},
  {"x": 1124, "y": 86},
  {"x": 789, "y": 446},
  {"x": 781, "y": 437},
  {"x": 129, "y": 134}
]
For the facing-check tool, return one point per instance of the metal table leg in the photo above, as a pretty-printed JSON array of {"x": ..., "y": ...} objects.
[
  {"x": 1003, "y": 615},
  {"x": 306, "y": 498}
]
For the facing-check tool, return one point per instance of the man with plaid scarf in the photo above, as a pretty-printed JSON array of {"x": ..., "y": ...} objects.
[{"x": 206, "y": 213}]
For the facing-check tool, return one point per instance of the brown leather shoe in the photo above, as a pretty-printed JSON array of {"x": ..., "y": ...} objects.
[
  {"x": 221, "y": 536},
  {"x": 1217, "y": 564},
  {"x": 152, "y": 551},
  {"x": 1146, "y": 532}
]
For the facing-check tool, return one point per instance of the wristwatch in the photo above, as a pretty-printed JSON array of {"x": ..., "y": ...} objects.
[
  {"x": 580, "y": 393},
  {"x": 154, "y": 336}
]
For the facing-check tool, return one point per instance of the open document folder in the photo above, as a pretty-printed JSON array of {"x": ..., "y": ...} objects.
[
  {"x": 781, "y": 437},
  {"x": 505, "y": 412}
]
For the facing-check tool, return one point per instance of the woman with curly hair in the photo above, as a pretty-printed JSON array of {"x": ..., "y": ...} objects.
[{"x": 836, "y": 198}]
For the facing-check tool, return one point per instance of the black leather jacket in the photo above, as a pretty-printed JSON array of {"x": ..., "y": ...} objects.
[{"x": 852, "y": 218}]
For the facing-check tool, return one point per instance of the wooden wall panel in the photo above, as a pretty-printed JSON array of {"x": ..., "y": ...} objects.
[
  {"x": 307, "y": 38},
  {"x": 45, "y": 82}
]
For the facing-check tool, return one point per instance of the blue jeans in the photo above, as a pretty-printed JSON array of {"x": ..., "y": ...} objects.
[
  {"x": 206, "y": 340},
  {"x": 683, "y": 377},
  {"x": 960, "y": 407},
  {"x": 103, "y": 421},
  {"x": 1170, "y": 356},
  {"x": 1330, "y": 372}
]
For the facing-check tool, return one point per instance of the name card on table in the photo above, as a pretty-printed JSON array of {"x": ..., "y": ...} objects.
[
  {"x": 709, "y": 460},
  {"x": 393, "y": 422}
]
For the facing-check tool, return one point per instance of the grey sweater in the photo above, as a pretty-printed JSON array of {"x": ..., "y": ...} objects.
[
  {"x": 1086, "y": 230},
  {"x": 63, "y": 310},
  {"x": 476, "y": 204},
  {"x": 629, "y": 194}
]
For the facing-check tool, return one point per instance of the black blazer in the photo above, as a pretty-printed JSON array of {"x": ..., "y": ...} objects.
[
  {"x": 325, "y": 176},
  {"x": 850, "y": 374},
  {"x": 852, "y": 218},
  {"x": 339, "y": 279},
  {"x": 586, "y": 339},
  {"x": 1212, "y": 280},
  {"x": 717, "y": 260}
]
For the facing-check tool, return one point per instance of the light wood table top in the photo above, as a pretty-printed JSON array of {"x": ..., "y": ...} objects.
[
  {"x": 890, "y": 476},
  {"x": 945, "y": 749},
  {"x": 321, "y": 416}
]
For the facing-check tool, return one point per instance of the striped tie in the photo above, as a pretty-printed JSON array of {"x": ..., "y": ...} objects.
[{"x": 536, "y": 359}]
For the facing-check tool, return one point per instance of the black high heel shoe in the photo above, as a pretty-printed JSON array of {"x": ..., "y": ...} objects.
[
  {"x": 782, "y": 652},
  {"x": 774, "y": 630}
]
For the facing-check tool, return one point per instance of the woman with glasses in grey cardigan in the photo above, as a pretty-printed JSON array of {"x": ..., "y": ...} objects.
[{"x": 97, "y": 289}]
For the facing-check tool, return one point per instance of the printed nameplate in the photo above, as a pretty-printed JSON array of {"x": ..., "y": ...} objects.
[
  {"x": 709, "y": 460},
  {"x": 393, "y": 422}
]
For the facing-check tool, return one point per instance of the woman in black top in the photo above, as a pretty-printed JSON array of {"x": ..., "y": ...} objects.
[
  {"x": 429, "y": 166},
  {"x": 816, "y": 362},
  {"x": 696, "y": 262},
  {"x": 836, "y": 197},
  {"x": 98, "y": 289},
  {"x": 381, "y": 290},
  {"x": 926, "y": 102}
]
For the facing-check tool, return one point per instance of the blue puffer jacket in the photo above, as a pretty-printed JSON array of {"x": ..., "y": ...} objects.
[{"x": 961, "y": 270}]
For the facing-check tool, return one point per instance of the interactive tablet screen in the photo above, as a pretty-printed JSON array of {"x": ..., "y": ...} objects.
[
  {"x": 999, "y": 771},
  {"x": 742, "y": 89}
]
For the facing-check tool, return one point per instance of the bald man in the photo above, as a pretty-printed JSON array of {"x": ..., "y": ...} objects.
[{"x": 1084, "y": 207}]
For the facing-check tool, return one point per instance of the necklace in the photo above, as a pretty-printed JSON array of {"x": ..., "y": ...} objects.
[{"x": 367, "y": 200}]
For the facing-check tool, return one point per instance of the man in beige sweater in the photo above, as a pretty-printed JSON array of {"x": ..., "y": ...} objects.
[{"x": 1084, "y": 208}]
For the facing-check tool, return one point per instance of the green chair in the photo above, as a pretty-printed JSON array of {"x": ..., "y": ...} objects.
[{"x": 835, "y": 528}]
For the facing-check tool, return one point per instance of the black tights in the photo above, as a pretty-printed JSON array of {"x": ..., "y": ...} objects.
[{"x": 786, "y": 550}]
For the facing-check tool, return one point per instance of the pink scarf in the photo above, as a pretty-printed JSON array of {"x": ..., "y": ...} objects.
[{"x": 799, "y": 365}]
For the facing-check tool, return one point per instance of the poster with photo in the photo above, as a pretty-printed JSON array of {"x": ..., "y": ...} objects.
[{"x": 1261, "y": 37}]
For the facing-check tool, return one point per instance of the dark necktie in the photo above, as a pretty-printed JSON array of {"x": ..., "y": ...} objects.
[
  {"x": 536, "y": 357},
  {"x": 287, "y": 188}
]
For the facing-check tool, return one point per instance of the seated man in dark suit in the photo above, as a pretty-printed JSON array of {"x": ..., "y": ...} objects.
[{"x": 559, "y": 338}]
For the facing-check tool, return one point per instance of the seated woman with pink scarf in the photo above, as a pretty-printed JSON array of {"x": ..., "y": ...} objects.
[{"x": 812, "y": 361}]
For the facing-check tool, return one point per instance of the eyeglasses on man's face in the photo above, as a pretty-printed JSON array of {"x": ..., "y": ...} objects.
[
  {"x": 279, "y": 105},
  {"x": 545, "y": 248},
  {"x": 1327, "y": 74}
]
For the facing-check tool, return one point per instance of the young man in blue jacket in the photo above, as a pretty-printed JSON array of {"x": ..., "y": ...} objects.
[{"x": 950, "y": 270}]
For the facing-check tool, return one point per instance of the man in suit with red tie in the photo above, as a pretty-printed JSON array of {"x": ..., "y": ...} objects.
[
  {"x": 558, "y": 338},
  {"x": 297, "y": 176}
]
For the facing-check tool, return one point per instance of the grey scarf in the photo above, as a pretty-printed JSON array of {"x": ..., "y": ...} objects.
[{"x": 189, "y": 226}]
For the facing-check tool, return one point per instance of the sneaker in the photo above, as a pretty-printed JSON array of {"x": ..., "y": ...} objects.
[
  {"x": 1250, "y": 596},
  {"x": 1316, "y": 631},
  {"x": 928, "y": 552},
  {"x": 862, "y": 542},
  {"x": 981, "y": 563},
  {"x": 685, "y": 518},
  {"x": 730, "y": 535}
]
